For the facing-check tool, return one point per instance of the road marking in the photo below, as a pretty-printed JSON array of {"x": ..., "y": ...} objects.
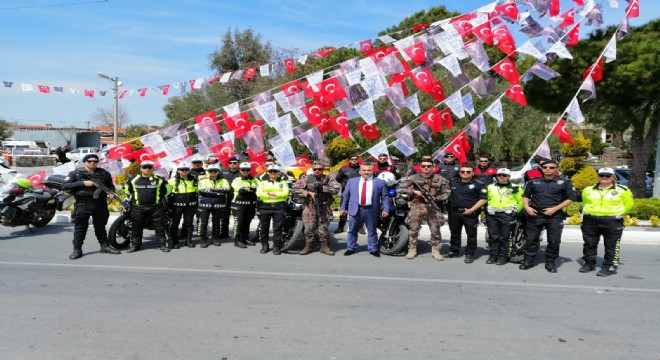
[{"x": 598, "y": 289}]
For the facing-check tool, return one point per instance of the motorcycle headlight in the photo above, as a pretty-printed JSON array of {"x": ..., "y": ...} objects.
[
  {"x": 392, "y": 193},
  {"x": 400, "y": 201}
]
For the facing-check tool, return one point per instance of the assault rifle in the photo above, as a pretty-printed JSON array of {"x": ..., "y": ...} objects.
[
  {"x": 100, "y": 186},
  {"x": 427, "y": 197}
]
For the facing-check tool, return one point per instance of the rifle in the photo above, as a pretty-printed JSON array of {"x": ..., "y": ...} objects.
[
  {"x": 427, "y": 197},
  {"x": 100, "y": 186},
  {"x": 317, "y": 199}
]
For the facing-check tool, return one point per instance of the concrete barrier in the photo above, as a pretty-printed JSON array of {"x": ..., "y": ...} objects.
[{"x": 33, "y": 160}]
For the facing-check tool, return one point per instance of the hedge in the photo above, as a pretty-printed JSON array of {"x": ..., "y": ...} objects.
[{"x": 643, "y": 209}]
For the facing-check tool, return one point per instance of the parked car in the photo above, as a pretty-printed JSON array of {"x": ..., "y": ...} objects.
[
  {"x": 79, "y": 153},
  {"x": 623, "y": 177}
]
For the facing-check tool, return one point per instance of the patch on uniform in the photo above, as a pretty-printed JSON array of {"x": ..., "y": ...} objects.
[
  {"x": 560, "y": 182},
  {"x": 615, "y": 193},
  {"x": 471, "y": 186},
  {"x": 508, "y": 192},
  {"x": 153, "y": 182},
  {"x": 281, "y": 186},
  {"x": 299, "y": 182},
  {"x": 484, "y": 191}
]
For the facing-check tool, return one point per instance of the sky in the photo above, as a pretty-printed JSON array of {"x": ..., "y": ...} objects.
[{"x": 152, "y": 43}]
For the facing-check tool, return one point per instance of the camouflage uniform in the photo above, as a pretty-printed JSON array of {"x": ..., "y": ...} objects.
[
  {"x": 439, "y": 189},
  {"x": 317, "y": 224}
]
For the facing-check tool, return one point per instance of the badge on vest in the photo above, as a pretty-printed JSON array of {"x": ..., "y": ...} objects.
[
  {"x": 615, "y": 193},
  {"x": 153, "y": 182},
  {"x": 471, "y": 186},
  {"x": 560, "y": 182}
]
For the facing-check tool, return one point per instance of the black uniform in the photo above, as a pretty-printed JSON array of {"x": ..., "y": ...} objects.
[
  {"x": 545, "y": 194},
  {"x": 147, "y": 197},
  {"x": 229, "y": 176},
  {"x": 386, "y": 167},
  {"x": 449, "y": 171},
  {"x": 345, "y": 173},
  {"x": 212, "y": 202},
  {"x": 463, "y": 196},
  {"x": 87, "y": 206},
  {"x": 197, "y": 172}
]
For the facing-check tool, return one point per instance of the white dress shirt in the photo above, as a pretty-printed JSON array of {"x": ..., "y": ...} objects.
[{"x": 370, "y": 189}]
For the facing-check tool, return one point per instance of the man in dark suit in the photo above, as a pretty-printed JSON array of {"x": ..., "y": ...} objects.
[{"x": 362, "y": 199}]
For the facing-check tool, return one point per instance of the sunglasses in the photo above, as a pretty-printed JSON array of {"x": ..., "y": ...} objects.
[
  {"x": 502, "y": 175},
  {"x": 184, "y": 169},
  {"x": 147, "y": 167},
  {"x": 466, "y": 172},
  {"x": 245, "y": 170},
  {"x": 92, "y": 161},
  {"x": 605, "y": 175},
  {"x": 318, "y": 169},
  {"x": 353, "y": 159},
  {"x": 549, "y": 167},
  {"x": 449, "y": 156},
  {"x": 213, "y": 171},
  {"x": 233, "y": 163},
  {"x": 197, "y": 162},
  {"x": 426, "y": 166},
  {"x": 273, "y": 171}
]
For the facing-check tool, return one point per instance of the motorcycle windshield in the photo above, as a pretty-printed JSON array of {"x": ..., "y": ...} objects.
[
  {"x": 9, "y": 188},
  {"x": 6, "y": 179}
]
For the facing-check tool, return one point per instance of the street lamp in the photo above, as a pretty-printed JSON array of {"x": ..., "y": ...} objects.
[{"x": 115, "y": 89}]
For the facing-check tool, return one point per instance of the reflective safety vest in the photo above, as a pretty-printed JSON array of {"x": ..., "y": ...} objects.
[
  {"x": 213, "y": 193},
  {"x": 244, "y": 198},
  {"x": 184, "y": 192},
  {"x": 507, "y": 196},
  {"x": 146, "y": 190},
  {"x": 280, "y": 187},
  {"x": 613, "y": 201}
]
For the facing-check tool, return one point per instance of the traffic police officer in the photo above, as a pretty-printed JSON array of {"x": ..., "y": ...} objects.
[
  {"x": 383, "y": 165},
  {"x": 420, "y": 210},
  {"x": 229, "y": 174},
  {"x": 319, "y": 190},
  {"x": 504, "y": 202},
  {"x": 80, "y": 183},
  {"x": 272, "y": 194},
  {"x": 147, "y": 193},
  {"x": 543, "y": 199},
  {"x": 213, "y": 192},
  {"x": 604, "y": 207},
  {"x": 197, "y": 169},
  {"x": 183, "y": 203},
  {"x": 449, "y": 169},
  {"x": 244, "y": 205},
  {"x": 347, "y": 172},
  {"x": 467, "y": 196}
]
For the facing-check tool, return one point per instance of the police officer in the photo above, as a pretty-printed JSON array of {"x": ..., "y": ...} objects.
[
  {"x": 504, "y": 202},
  {"x": 544, "y": 199},
  {"x": 213, "y": 193},
  {"x": 383, "y": 165},
  {"x": 80, "y": 183},
  {"x": 484, "y": 172},
  {"x": 147, "y": 193},
  {"x": 604, "y": 207},
  {"x": 183, "y": 203},
  {"x": 467, "y": 196},
  {"x": 421, "y": 209},
  {"x": 347, "y": 172},
  {"x": 319, "y": 190},
  {"x": 449, "y": 168},
  {"x": 229, "y": 174},
  {"x": 272, "y": 194},
  {"x": 244, "y": 205},
  {"x": 197, "y": 169},
  {"x": 418, "y": 168}
]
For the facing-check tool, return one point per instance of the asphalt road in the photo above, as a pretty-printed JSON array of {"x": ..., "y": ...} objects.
[{"x": 225, "y": 302}]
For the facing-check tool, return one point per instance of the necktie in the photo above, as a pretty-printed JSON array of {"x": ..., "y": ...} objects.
[{"x": 363, "y": 198}]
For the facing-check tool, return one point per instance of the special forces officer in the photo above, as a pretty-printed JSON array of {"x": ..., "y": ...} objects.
[
  {"x": 80, "y": 183},
  {"x": 449, "y": 168},
  {"x": 244, "y": 205},
  {"x": 183, "y": 203},
  {"x": 228, "y": 174},
  {"x": 467, "y": 196},
  {"x": 319, "y": 190},
  {"x": 347, "y": 172},
  {"x": 422, "y": 209},
  {"x": 604, "y": 207},
  {"x": 544, "y": 199},
  {"x": 272, "y": 194},
  {"x": 504, "y": 202},
  {"x": 213, "y": 193},
  {"x": 147, "y": 193}
]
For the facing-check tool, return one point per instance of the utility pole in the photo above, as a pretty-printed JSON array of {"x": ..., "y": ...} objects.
[
  {"x": 656, "y": 181},
  {"x": 115, "y": 88}
]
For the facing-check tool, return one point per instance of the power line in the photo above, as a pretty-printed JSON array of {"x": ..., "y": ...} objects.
[{"x": 52, "y": 5}]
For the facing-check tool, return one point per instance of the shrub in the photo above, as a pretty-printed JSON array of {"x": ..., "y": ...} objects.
[
  {"x": 587, "y": 176},
  {"x": 573, "y": 208},
  {"x": 574, "y": 219},
  {"x": 339, "y": 149},
  {"x": 655, "y": 221},
  {"x": 630, "y": 221},
  {"x": 644, "y": 211},
  {"x": 570, "y": 166}
]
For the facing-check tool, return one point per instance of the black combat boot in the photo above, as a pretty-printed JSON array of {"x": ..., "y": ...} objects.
[
  {"x": 550, "y": 265},
  {"x": 107, "y": 249},
  {"x": 77, "y": 253},
  {"x": 492, "y": 259},
  {"x": 264, "y": 247},
  {"x": 216, "y": 241},
  {"x": 277, "y": 248},
  {"x": 239, "y": 244},
  {"x": 189, "y": 242},
  {"x": 134, "y": 247},
  {"x": 342, "y": 224},
  {"x": 502, "y": 260},
  {"x": 249, "y": 242},
  {"x": 203, "y": 243},
  {"x": 527, "y": 264},
  {"x": 469, "y": 259},
  {"x": 174, "y": 235},
  {"x": 589, "y": 265}
]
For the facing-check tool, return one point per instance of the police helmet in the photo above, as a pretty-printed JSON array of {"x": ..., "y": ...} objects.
[{"x": 388, "y": 177}]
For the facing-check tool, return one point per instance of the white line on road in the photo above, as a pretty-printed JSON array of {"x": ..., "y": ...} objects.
[{"x": 598, "y": 289}]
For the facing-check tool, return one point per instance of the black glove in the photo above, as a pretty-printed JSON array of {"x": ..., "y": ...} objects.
[
  {"x": 318, "y": 187},
  {"x": 245, "y": 190}
]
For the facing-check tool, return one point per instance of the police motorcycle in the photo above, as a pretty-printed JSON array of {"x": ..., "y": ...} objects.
[
  {"x": 119, "y": 235},
  {"x": 393, "y": 239},
  {"x": 293, "y": 239},
  {"x": 23, "y": 205}
]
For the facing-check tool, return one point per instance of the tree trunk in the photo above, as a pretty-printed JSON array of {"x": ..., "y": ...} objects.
[{"x": 642, "y": 148}]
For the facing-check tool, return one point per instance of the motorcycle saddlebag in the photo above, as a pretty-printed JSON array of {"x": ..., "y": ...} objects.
[{"x": 54, "y": 181}]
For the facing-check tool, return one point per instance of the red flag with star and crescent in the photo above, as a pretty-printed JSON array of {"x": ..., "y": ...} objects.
[
  {"x": 119, "y": 151},
  {"x": 561, "y": 131},
  {"x": 207, "y": 119},
  {"x": 304, "y": 163},
  {"x": 573, "y": 36},
  {"x": 291, "y": 87},
  {"x": 445, "y": 118},
  {"x": 43, "y": 89},
  {"x": 432, "y": 118},
  {"x": 223, "y": 151},
  {"x": 504, "y": 40},
  {"x": 36, "y": 179},
  {"x": 368, "y": 131},
  {"x": 331, "y": 90},
  {"x": 289, "y": 65},
  {"x": 596, "y": 71},
  {"x": 416, "y": 53},
  {"x": 515, "y": 93},
  {"x": 339, "y": 123},
  {"x": 507, "y": 69}
]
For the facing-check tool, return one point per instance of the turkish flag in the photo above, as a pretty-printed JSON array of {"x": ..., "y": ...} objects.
[
  {"x": 445, "y": 118},
  {"x": 416, "y": 53},
  {"x": 432, "y": 119},
  {"x": 122, "y": 94},
  {"x": 424, "y": 80},
  {"x": 366, "y": 47},
  {"x": 516, "y": 94},
  {"x": 596, "y": 73},
  {"x": 323, "y": 103},
  {"x": 43, "y": 89},
  {"x": 166, "y": 89},
  {"x": 207, "y": 119},
  {"x": 461, "y": 136},
  {"x": 36, "y": 179},
  {"x": 569, "y": 18},
  {"x": 249, "y": 73},
  {"x": 632, "y": 9},
  {"x": 325, "y": 126},
  {"x": 143, "y": 92},
  {"x": 141, "y": 155},
  {"x": 223, "y": 151},
  {"x": 324, "y": 53},
  {"x": 368, "y": 131},
  {"x": 304, "y": 163},
  {"x": 257, "y": 162},
  {"x": 507, "y": 69},
  {"x": 561, "y": 131},
  {"x": 579, "y": 2},
  {"x": 399, "y": 78},
  {"x": 462, "y": 24},
  {"x": 484, "y": 32},
  {"x": 289, "y": 65},
  {"x": 237, "y": 122},
  {"x": 419, "y": 27},
  {"x": 555, "y": 8},
  {"x": 331, "y": 90},
  {"x": 436, "y": 92},
  {"x": 291, "y": 87},
  {"x": 339, "y": 123},
  {"x": 456, "y": 146},
  {"x": 314, "y": 113},
  {"x": 504, "y": 40},
  {"x": 89, "y": 93},
  {"x": 214, "y": 78},
  {"x": 119, "y": 151},
  {"x": 381, "y": 52},
  {"x": 573, "y": 36},
  {"x": 509, "y": 10}
]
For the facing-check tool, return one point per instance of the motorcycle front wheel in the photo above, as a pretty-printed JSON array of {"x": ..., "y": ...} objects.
[
  {"x": 293, "y": 238},
  {"x": 518, "y": 239},
  {"x": 393, "y": 242},
  {"x": 119, "y": 235},
  {"x": 43, "y": 217}
]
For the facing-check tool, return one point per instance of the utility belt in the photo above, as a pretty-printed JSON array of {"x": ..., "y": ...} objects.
[
  {"x": 244, "y": 202},
  {"x": 271, "y": 205},
  {"x": 212, "y": 206},
  {"x": 610, "y": 217},
  {"x": 183, "y": 204},
  {"x": 491, "y": 210}
]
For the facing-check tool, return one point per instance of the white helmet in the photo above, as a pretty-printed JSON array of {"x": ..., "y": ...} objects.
[
  {"x": 310, "y": 172},
  {"x": 388, "y": 177}
]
